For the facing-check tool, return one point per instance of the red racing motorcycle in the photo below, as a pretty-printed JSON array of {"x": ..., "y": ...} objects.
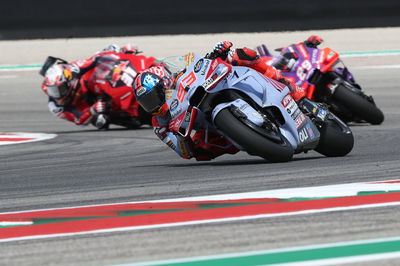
[{"x": 111, "y": 81}]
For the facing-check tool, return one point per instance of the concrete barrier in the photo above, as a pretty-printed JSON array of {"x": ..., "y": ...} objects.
[{"x": 21, "y": 19}]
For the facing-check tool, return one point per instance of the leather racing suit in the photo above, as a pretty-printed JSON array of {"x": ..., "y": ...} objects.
[{"x": 93, "y": 76}]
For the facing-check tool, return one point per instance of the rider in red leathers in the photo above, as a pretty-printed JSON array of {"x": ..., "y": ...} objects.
[
  {"x": 155, "y": 84},
  {"x": 97, "y": 90}
]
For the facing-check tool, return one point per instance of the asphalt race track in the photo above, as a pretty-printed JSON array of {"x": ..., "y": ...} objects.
[{"x": 83, "y": 166}]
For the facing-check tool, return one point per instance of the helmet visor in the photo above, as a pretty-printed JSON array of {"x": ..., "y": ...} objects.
[
  {"x": 58, "y": 92},
  {"x": 153, "y": 99}
]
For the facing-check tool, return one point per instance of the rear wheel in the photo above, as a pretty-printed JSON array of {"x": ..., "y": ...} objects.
[
  {"x": 358, "y": 104},
  {"x": 335, "y": 140},
  {"x": 252, "y": 139}
]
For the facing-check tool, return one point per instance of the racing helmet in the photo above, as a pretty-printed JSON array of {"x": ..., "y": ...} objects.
[
  {"x": 150, "y": 89},
  {"x": 56, "y": 84}
]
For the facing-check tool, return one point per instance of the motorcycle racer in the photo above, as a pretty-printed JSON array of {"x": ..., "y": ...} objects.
[
  {"x": 287, "y": 61},
  {"x": 156, "y": 83},
  {"x": 76, "y": 89}
]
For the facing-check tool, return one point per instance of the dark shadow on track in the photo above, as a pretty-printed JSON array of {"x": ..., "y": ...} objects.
[
  {"x": 239, "y": 162},
  {"x": 96, "y": 130}
]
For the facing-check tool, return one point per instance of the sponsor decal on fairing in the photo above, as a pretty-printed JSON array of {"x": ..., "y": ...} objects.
[
  {"x": 173, "y": 105},
  {"x": 198, "y": 65},
  {"x": 299, "y": 120},
  {"x": 168, "y": 94},
  {"x": 303, "y": 134},
  {"x": 205, "y": 68}
]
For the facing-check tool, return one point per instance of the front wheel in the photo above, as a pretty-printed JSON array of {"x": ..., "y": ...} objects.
[
  {"x": 358, "y": 104},
  {"x": 252, "y": 140}
]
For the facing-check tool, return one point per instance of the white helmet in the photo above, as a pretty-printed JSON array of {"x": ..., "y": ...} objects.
[{"x": 56, "y": 84}]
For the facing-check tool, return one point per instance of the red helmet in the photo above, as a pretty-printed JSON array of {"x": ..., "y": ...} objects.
[
  {"x": 57, "y": 85},
  {"x": 150, "y": 88}
]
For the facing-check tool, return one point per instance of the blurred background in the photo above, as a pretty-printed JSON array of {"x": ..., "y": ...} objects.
[{"x": 22, "y": 19}]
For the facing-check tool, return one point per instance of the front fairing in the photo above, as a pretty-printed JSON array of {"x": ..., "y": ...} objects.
[{"x": 189, "y": 73}]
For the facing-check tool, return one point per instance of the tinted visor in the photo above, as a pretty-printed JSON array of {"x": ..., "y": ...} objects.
[
  {"x": 58, "y": 92},
  {"x": 153, "y": 99}
]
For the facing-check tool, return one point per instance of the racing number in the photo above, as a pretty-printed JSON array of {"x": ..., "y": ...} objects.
[
  {"x": 303, "y": 69},
  {"x": 186, "y": 81},
  {"x": 158, "y": 71}
]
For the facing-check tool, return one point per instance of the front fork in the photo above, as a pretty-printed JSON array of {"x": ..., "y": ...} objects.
[{"x": 320, "y": 114}]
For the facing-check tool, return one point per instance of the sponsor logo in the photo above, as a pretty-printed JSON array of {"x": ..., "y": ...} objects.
[
  {"x": 174, "y": 104},
  {"x": 168, "y": 94},
  {"x": 296, "y": 113},
  {"x": 198, "y": 65},
  {"x": 187, "y": 116},
  {"x": 176, "y": 123},
  {"x": 175, "y": 113},
  {"x": 208, "y": 82},
  {"x": 214, "y": 65},
  {"x": 292, "y": 109},
  {"x": 310, "y": 131},
  {"x": 140, "y": 91},
  {"x": 171, "y": 144},
  {"x": 303, "y": 134},
  {"x": 207, "y": 63},
  {"x": 299, "y": 120},
  {"x": 321, "y": 114},
  {"x": 286, "y": 100}
]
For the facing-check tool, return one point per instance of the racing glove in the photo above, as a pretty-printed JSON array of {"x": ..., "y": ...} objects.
[
  {"x": 296, "y": 92},
  {"x": 285, "y": 62},
  {"x": 221, "y": 50},
  {"x": 313, "y": 41},
  {"x": 243, "y": 57}
]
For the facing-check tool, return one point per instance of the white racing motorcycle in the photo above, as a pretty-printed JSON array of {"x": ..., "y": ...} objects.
[{"x": 254, "y": 112}]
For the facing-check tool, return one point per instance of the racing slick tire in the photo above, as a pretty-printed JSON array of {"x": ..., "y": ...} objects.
[
  {"x": 335, "y": 139},
  {"x": 252, "y": 140},
  {"x": 359, "y": 104}
]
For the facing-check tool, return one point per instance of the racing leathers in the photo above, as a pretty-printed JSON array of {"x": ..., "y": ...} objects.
[
  {"x": 110, "y": 71},
  {"x": 285, "y": 62},
  {"x": 249, "y": 58}
]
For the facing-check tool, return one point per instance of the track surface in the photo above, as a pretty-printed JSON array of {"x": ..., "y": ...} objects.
[{"x": 84, "y": 166}]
